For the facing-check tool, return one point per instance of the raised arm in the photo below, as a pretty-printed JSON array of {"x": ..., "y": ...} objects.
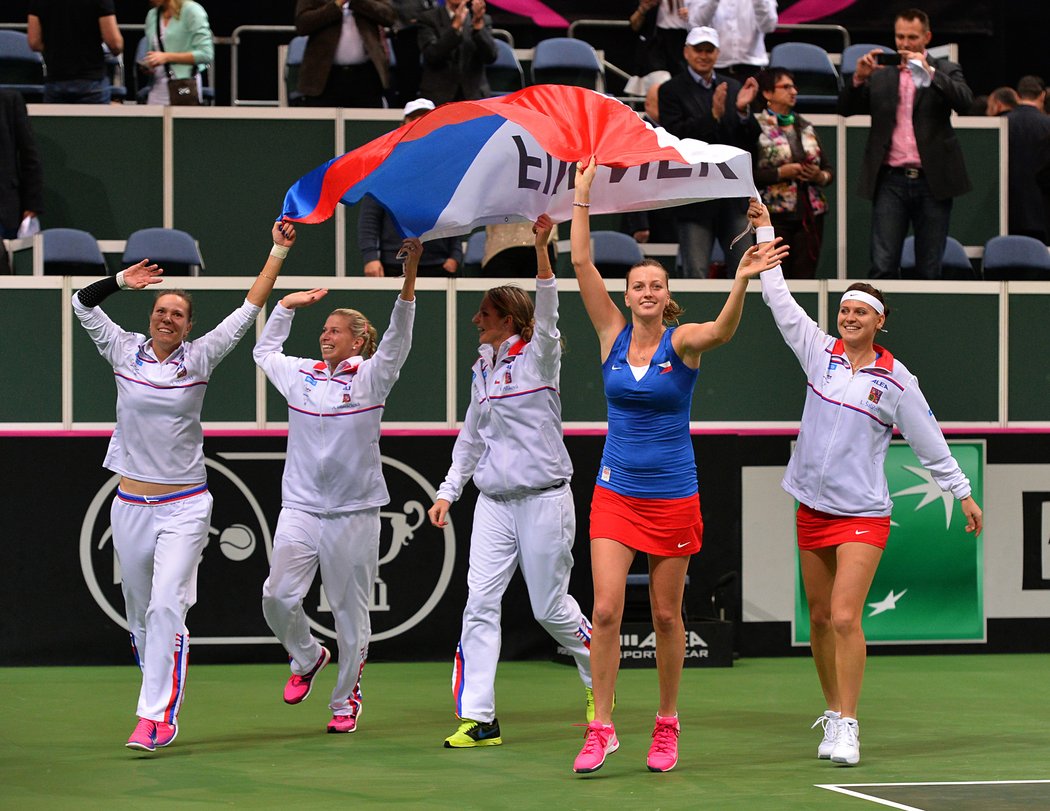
[
  {"x": 691, "y": 340},
  {"x": 283, "y": 239},
  {"x": 604, "y": 314}
]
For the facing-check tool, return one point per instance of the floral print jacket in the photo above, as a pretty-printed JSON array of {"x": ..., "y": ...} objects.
[{"x": 773, "y": 149}]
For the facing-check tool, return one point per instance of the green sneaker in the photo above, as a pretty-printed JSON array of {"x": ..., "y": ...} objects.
[
  {"x": 590, "y": 703},
  {"x": 474, "y": 733}
]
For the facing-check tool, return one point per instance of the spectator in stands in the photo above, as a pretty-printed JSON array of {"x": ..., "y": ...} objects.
[
  {"x": 21, "y": 180},
  {"x": 1001, "y": 100},
  {"x": 510, "y": 250},
  {"x": 346, "y": 62},
  {"x": 1029, "y": 162},
  {"x": 180, "y": 45},
  {"x": 70, "y": 36},
  {"x": 661, "y": 26},
  {"x": 404, "y": 42},
  {"x": 979, "y": 106},
  {"x": 703, "y": 104},
  {"x": 742, "y": 26},
  {"x": 913, "y": 166},
  {"x": 791, "y": 168},
  {"x": 456, "y": 43},
  {"x": 381, "y": 244}
]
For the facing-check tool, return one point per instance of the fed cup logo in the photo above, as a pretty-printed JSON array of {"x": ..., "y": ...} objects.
[{"x": 415, "y": 559}]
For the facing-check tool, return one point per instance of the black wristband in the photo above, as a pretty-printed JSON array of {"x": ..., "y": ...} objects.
[{"x": 96, "y": 292}]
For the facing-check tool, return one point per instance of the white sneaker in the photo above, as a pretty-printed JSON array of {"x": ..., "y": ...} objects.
[
  {"x": 847, "y": 743},
  {"x": 829, "y": 721}
]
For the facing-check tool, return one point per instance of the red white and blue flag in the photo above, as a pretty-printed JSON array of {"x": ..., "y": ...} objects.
[{"x": 510, "y": 159}]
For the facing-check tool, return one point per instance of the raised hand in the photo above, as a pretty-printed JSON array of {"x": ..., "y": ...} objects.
[
  {"x": 542, "y": 229},
  {"x": 142, "y": 275},
  {"x": 284, "y": 233},
  {"x": 757, "y": 214},
  {"x": 304, "y": 298},
  {"x": 764, "y": 256}
]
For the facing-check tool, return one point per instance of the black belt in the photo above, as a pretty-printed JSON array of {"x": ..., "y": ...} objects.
[{"x": 910, "y": 172}]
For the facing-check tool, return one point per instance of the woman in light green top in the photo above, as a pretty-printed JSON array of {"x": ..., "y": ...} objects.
[{"x": 182, "y": 46}]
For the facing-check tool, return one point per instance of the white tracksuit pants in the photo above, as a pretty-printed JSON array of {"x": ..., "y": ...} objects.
[
  {"x": 159, "y": 547},
  {"x": 346, "y": 547},
  {"x": 535, "y": 532}
]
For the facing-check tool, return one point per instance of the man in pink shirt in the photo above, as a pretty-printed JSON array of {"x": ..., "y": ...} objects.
[{"x": 913, "y": 166}]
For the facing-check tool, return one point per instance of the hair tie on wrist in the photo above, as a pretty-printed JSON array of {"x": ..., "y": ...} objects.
[
  {"x": 280, "y": 251},
  {"x": 123, "y": 285},
  {"x": 581, "y": 205}
]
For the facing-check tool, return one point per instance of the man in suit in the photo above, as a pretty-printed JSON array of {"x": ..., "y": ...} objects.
[
  {"x": 456, "y": 43},
  {"x": 21, "y": 180},
  {"x": 1029, "y": 161},
  {"x": 345, "y": 63},
  {"x": 702, "y": 104},
  {"x": 913, "y": 166}
]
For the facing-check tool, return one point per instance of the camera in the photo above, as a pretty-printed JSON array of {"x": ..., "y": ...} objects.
[{"x": 883, "y": 58}]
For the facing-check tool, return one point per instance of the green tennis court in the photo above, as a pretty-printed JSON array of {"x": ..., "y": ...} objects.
[{"x": 745, "y": 743}]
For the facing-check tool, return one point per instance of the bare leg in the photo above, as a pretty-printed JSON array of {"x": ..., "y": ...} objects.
[
  {"x": 856, "y": 565},
  {"x": 610, "y": 561},
  {"x": 666, "y": 588},
  {"x": 818, "y": 577}
]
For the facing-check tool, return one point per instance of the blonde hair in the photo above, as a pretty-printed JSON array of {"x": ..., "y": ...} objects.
[
  {"x": 672, "y": 311},
  {"x": 360, "y": 327},
  {"x": 515, "y": 302}
]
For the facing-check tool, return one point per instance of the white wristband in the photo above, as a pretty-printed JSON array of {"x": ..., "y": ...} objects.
[
  {"x": 280, "y": 251},
  {"x": 123, "y": 285},
  {"x": 764, "y": 233}
]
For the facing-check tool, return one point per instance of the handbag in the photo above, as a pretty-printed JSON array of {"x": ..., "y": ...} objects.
[{"x": 181, "y": 92}]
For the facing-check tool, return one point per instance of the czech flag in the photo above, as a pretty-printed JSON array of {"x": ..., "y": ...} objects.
[{"x": 512, "y": 158}]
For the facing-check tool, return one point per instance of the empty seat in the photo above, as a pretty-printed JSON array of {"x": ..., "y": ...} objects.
[
  {"x": 568, "y": 61},
  {"x": 1016, "y": 258},
  {"x": 615, "y": 253},
  {"x": 71, "y": 252},
  {"x": 815, "y": 75},
  {"x": 955, "y": 264},
  {"x": 292, "y": 62},
  {"x": 505, "y": 75},
  {"x": 175, "y": 251},
  {"x": 21, "y": 68},
  {"x": 848, "y": 64}
]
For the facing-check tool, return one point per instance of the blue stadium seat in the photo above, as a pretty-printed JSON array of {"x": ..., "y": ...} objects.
[
  {"x": 293, "y": 61},
  {"x": 1016, "y": 258},
  {"x": 615, "y": 253},
  {"x": 71, "y": 252},
  {"x": 815, "y": 75},
  {"x": 21, "y": 68},
  {"x": 568, "y": 61},
  {"x": 955, "y": 264},
  {"x": 175, "y": 251},
  {"x": 505, "y": 75},
  {"x": 848, "y": 64}
]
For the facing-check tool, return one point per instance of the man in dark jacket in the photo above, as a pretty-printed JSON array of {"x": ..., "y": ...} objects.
[
  {"x": 456, "y": 43},
  {"x": 913, "y": 165},
  {"x": 21, "y": 180},
  {"x": 1029, "y": 162}
]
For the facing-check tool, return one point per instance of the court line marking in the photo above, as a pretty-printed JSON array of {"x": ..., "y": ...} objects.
[{"x": 845, "y": 788}]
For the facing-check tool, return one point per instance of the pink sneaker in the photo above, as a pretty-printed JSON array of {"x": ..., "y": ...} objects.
[
  {"x": 298, "y": 687},
  {"x": 663, "y": 754},
  {"x": 344, "y": 723},
  {"x": 144, "y": 737},
  {"x": 599, "y": 741},
  {"x": 165, "y": 733}
]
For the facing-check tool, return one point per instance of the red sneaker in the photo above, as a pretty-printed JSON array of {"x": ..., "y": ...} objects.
[
  {"x": 663, "y": 754},
  {"x": 344, "y": 723},
  {"x": 144, "y": 737},
  {"x": 298, "y": 687},
  {"x": 599, "y": 741},
  {"x": 165, "y": 733}
]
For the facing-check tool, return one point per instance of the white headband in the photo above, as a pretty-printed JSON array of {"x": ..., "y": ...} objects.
[{"x": 867, "y": 298}]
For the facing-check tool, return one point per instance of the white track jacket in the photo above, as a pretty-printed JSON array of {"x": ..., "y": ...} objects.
[
  {"x": 333, "y": 463},
  {"x": 511, "y": 440},
  {"x": 838, "y": 463}
]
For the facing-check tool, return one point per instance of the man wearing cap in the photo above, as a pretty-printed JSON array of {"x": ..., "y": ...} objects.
[
  {"x": 913, "y": 165},
  {"x": 456, "y": 43},
  {"x": 703, "y": 104},
  {"x": 380, "y": 242},
  {"x": 742, "y": 26}
]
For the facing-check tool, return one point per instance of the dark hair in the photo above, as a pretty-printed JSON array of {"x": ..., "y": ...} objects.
[
  {"x": 183, "y": 294},
  {"x": 767, "y": 79},
  {"x": 914, "y": 14},
  {"x": 1029, "y": 87},
  {"x": 864, "y": 287},
  {"x": 1005, "y": 96},
  {"x": 672, "y": 312},
  {"x": 511, "y": 300}
]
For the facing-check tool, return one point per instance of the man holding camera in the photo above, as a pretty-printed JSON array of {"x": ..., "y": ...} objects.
[{"x": 913, "y": 165}]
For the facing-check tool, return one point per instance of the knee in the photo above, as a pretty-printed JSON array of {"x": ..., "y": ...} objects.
[
  {"x": 845, "y": 621},
  {"x": 666, "y": 620},
  {"x": 607, "y": 615},
  {"x": 819, "y": 617},
  {"x": 279, "y": 602}
]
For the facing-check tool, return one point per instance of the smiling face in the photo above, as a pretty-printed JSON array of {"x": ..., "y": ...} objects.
[
  {"x": 169, "y": 324},
  {"x": 493, "y": 328},
  {"x": 858, "y": 322},
  {"x": 701, "y": 58},
  {"x": 647, "y": 293},
  {"x": 338, "y": 342}
]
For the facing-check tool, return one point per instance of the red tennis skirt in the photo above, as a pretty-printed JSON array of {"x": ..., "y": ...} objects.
[
  {"x": 669, "y": 527},
  {"x": 817, "y": 529}
]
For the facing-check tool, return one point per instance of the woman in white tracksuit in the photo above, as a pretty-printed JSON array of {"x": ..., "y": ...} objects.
[
  {"x": 856, "y": 392},
  {"x": 161, "y": 513},
  {"x": 511, "y": 442},
  {"x": 333, "y": 484}
]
